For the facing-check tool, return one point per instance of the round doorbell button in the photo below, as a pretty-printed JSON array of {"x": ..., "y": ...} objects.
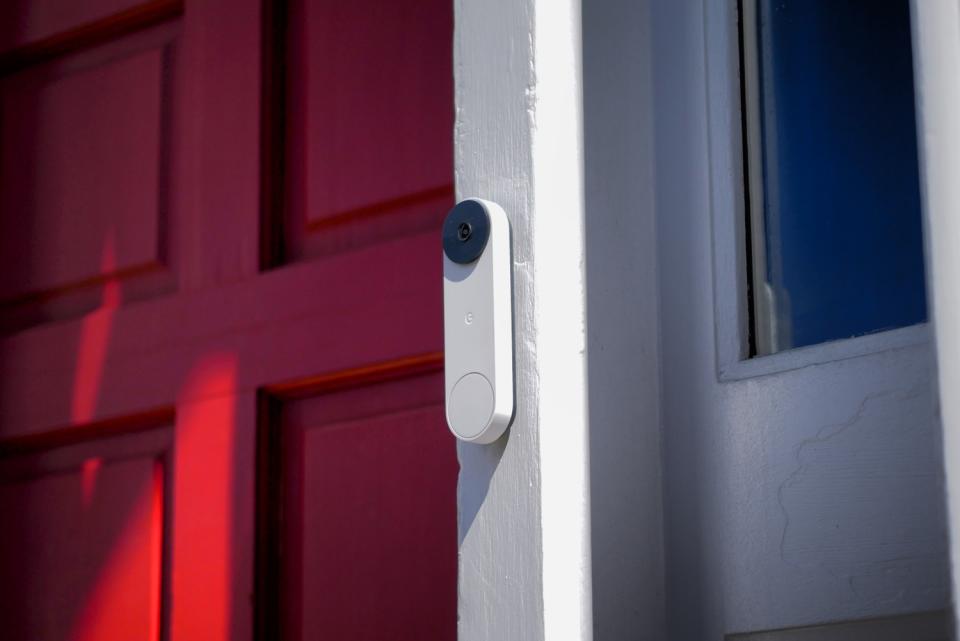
[{"x": 471, "y": 406}]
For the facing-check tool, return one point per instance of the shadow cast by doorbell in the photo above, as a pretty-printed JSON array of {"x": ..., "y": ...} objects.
[{"x": 477, "y": 321}]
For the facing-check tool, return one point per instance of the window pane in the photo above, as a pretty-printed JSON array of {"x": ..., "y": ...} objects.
[{"x": 837, "y": 249}]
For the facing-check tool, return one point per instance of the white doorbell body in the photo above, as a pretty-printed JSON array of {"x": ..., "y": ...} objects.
[{"x": 478, "y": 321}]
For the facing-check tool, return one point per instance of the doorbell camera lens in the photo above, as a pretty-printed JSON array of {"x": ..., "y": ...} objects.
[{"x": 465, "y": 232}]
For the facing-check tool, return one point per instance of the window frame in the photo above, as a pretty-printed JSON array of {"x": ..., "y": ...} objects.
[{"x": 733, "y": 150}]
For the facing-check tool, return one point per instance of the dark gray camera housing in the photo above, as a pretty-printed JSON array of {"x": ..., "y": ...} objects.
[{"x": 466, "y": 231}]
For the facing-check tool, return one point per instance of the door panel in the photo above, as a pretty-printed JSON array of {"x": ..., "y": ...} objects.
[
  {"x": 80, "y": 166},
  {"x": 84, "y": 177},
  {"x": 82, "y": 543},
  {"x": 140, "y": 296},
  {"x": 358, "y": 475},
  {"x": 368, "y": 72},
  {"x": 370, "y": 147}
]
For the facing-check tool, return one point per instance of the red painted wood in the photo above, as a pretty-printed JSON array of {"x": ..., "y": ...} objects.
[
  {"x": 373, "y": 128},
  {"x": 79, "y": 173},
  {"x": 216, "y": 144},
  {"x": 370, "y": 537},
  {"x": 26, "y": 21},
  {"x": 284, "y": 325},
  {"x": 81, "y": 544},
  {"x": 213, "y": 497},
  {"x": 345, "y": 333},
  {"x": 85, "y": 191},
  {"x": 371, "y": 119}
]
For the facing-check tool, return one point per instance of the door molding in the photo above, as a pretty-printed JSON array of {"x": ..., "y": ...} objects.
[
  {"x": 936, "y": 53},
  {"x": 524, "y": 501}
]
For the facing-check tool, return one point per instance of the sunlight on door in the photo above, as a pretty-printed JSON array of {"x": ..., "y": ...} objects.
[
  {"x": 95, "y": 335},
  {"x": 204, "y": 488},
  {"x": 110, "y": 610}
]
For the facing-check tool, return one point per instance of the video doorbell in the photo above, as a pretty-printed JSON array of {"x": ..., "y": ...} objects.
[{"x": 478, "y": 321}]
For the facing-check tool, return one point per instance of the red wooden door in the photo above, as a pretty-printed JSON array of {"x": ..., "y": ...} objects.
[{"x": 220, "y": 369}]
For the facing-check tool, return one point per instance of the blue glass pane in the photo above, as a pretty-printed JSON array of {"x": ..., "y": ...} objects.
[{"x": 844, "y": 252}]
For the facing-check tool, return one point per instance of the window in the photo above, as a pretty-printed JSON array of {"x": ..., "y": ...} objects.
[{"x": 834, "y": 242}]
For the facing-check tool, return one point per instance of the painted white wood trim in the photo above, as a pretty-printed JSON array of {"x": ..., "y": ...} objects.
[
  {"x": 933, "y": 626},
  {"x": 764, "y": 310},
  {"x": 822, "y": 353},
  {"x": 623, "y": 322},
  {"x": 560, "y": 304},
  {"x": 524, "y": 501},
  {"x": 728, "y": 212},
  {"x": 744, "y": 492},
  {"x": 936, "y": 44},
  {"x": 726, "y": 165}
]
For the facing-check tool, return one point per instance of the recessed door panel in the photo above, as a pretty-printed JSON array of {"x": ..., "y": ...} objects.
[
  {"x": 368, "y": 514},
  {"x": 82, "y": 541},
  {"x": 370, "y": 109},
  {"x": 79, "y": 173}
]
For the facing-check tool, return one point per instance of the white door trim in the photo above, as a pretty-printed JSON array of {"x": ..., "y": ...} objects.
[
  {"x": 936, "y": 44},
  {"x": 524, "y": 501}
]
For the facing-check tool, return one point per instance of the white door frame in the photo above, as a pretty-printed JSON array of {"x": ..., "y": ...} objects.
[
  {"x": 523, "y": 131},
  {"x": 936, "y": 47},
  {"x": 524, "y": 506}
]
